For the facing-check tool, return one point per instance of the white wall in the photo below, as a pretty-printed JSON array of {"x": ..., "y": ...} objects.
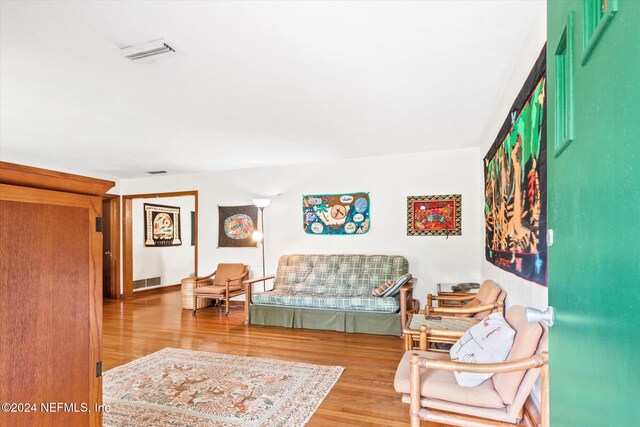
[
  {"x": 519, "y": 291},
  {"x": 172, "y": 263},
  {"x": 389, "y": 180}
]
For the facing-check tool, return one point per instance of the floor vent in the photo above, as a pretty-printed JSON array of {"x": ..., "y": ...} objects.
[{"x": 147, "y": 283}]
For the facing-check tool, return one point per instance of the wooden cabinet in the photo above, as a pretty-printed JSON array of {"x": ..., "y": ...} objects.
[{"x": 50, "y": 297}]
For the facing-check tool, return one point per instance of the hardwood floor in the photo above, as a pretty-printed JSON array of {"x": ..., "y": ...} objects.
[{"x": 362, "y": 396}]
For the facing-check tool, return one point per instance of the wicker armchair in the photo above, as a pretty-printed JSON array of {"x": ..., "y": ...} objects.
[
  {"x": 227, "y": 283},
  {"x": 427, "y": 383},
  {"x": 490, "y": 298}
]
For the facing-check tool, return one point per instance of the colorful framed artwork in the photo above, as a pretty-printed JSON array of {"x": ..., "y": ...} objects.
[
  {"x": 161, "y": 225},
  {"x": 236, "y": 224},
  {"x": 336, "y": 214},
  {"x": 515, "y": 171},
  {"x": 434, "y": 215}
]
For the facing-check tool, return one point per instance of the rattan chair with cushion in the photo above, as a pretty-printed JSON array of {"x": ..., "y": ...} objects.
[
  {"x": 427, "y": 382},
  {"x": 227, "y": 283},
  {"x": 445, "y": 324},
  {"x": 490, "y": 298}
]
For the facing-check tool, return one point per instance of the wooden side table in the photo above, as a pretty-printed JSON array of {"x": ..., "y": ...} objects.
[{"x": 435, "y": 330}]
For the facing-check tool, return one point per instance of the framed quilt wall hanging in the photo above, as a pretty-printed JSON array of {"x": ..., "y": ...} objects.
[
  {"x": 434, "y": 215},
  {"x": 236, "y": 224},
  {"x": 161, "y": 225},
  {"x": 336, "y": 214},
  {"x": 515, "y": 171}
]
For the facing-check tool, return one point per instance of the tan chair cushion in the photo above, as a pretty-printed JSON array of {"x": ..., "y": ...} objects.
[
  {"x": 227, "y": 271},
  {"x": 487, "y": 294},
  {"x": 442, "y": 385},
  {"x": 215, "y": 290},
  {"x": 525, "y": 344}
]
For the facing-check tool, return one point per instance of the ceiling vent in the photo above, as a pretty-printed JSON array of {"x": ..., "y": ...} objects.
[
  {"x": 156, "y": 172},
  {"x": 144, "y": 50}
]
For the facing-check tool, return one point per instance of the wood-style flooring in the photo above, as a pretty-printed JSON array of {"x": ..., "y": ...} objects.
[{"x": 362, "y": 396}]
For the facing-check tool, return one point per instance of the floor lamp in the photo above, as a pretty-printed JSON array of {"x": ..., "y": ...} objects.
[{"x": 259, "y": 236}]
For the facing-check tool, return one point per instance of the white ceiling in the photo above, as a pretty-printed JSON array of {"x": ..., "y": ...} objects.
[{"x": 252, "y": 83}]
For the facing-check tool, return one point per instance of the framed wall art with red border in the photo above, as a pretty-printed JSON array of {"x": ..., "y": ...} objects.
[{"x": 434, "y": 215}]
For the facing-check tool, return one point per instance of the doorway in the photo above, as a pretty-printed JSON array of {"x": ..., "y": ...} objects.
[
  {"x": 111, "y": 247},
  {"x": 151, "y": 269}
]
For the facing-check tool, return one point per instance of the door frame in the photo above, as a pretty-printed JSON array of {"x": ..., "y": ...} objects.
[
  {"x": 114, "y": 238},
  {"x": 127, "y": 239}
]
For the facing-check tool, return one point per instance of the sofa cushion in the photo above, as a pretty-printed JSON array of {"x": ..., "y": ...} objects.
[
  {"x": 442, "y": 385},
  {"x": 395, "y": 289},
  {"x": 338, "y": 275},
  {"x": 525, "y": 344},
  {"x": 377, "y": 292},
  {"x": 486, "y": 342},
  {"x": 326, "y": 302}
]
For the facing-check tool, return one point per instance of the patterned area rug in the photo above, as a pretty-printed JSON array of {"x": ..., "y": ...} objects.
[{"x": 185, "y": 388}]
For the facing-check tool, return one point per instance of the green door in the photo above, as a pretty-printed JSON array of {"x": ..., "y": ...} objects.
[{"x": 593, "y": 70}]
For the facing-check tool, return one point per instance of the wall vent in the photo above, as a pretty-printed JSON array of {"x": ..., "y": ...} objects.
[{"x": 147, "y": 283}]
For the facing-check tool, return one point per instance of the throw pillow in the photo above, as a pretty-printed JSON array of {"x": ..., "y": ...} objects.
[
  {"x": 380, "y": 289},
  {"x": 471, "y": 304},
  {"x": 489, "y": 341},
  {"x": 395, "y": 289}
]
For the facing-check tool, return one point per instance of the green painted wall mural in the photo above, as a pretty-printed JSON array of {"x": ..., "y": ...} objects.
[{"x": 594, "y": 211}]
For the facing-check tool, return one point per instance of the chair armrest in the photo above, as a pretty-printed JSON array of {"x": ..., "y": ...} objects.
[
  {"x": 447, "y": 333},
  {"x": 535, "y": 361},
  {"x": 465, "y": 310},
  {"x": 207, "y": 277},
  {"x": 446, "y": 293},
  {"x": 237, "y": 278},
  {"x": 453, "y": 297},
  {"x": 448, "y": 297},
  {"x": 261, "y": 279}
]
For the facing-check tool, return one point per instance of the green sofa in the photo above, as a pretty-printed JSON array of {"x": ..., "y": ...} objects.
[{"x": 333, "y": 292}]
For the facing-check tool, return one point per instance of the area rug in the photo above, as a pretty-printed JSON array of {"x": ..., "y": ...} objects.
[{"x": 185, "y": 388}]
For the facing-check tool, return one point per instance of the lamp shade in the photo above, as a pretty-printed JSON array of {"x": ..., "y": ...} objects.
[{"x": 261, "y": 203}]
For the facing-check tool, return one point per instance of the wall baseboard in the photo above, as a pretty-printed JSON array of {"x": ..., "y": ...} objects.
[{"x": 158, "y": 290}]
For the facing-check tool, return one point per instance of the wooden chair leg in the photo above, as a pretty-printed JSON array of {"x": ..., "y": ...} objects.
[
  {"x": 226, "y": 306},
  {"x": 408, "y": 342},
  {"x": 414, "y": 403},
  {"x": 195, "y": 305},
  {"x": 424, "y": 344},
  {"x": 544, "y": 392}
]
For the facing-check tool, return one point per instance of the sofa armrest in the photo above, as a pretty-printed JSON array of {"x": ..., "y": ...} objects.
[
  {"x": 407, "y": 304},
  {"x": 260, "y": 279}
]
